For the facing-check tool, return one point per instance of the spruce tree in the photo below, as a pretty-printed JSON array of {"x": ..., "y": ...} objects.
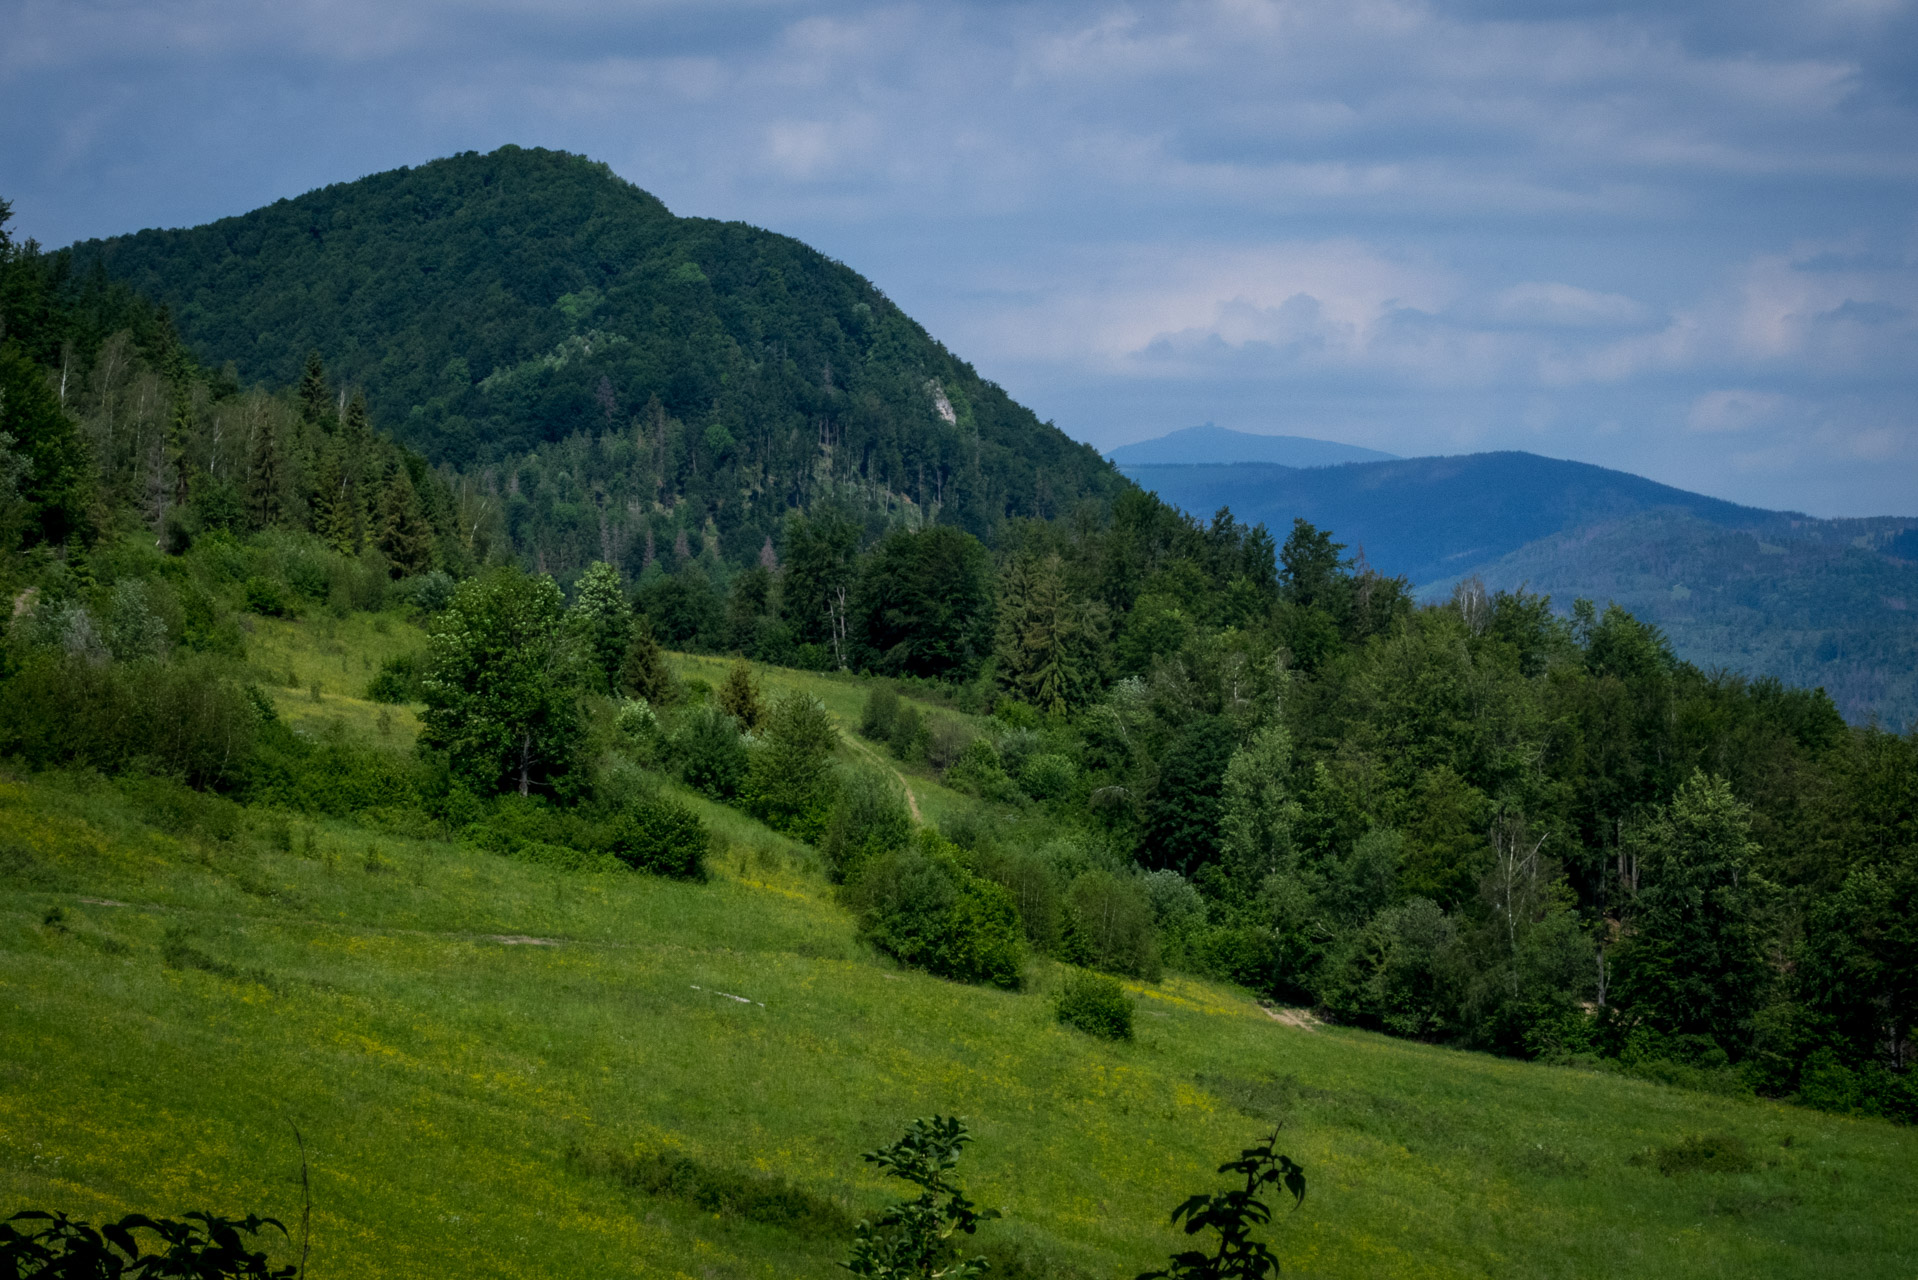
[
  {"x": 316, "y": 398},
  {"x": 644, "y": 674},
  {"x": 263, "y": 478},
  {"x": 404, "y": 534}
]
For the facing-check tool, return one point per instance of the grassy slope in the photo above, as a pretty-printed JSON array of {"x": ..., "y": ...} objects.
[{"x": 440, "y": 1076}]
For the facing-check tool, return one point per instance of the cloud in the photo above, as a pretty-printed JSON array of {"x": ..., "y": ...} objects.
[
  {"x": 1565, "y": 225},
  {"x": 1734, "y": 410}
]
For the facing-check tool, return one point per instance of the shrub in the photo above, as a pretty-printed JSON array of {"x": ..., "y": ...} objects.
[
  {"x": 398, "y": 680},
  {"x": 728, "y": 1193},
  {"x": 869, "y": 818},
  {"x": 908, "y": 737},
  {"x": 264, "y": 597},
  {"x": 1702, "y": 1153},
  {"x": 709, "y": 753},
  {"x": 947, "y": 740},
  {"x": 920, "y": 906},
  {"x": 1096, "y": 1005},
  {"x": 1048, "y": 777},
  {"x": 1109, "y": 922},
  {"x": 663, "y": 837},
  {"x": 185, "y": 719},
  {"x": 882, "y": 709},
  {"x": 204, "y": 1246},
  {"x": 978, "y": 770}
]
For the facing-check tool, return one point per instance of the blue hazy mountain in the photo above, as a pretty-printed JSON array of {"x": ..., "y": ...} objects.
[
  {"x": 1821, "y": 602},
  {"x": 1210, "y": 444},
  {"x": 1432, "y": 518}
]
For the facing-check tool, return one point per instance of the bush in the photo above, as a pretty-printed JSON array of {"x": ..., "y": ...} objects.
[
  {"x": 662, "y": 837},
  {"x": 185, "y": 719},
  {"x": 398, "y": 680},
  {"x": 709, "y": 753},
  {"x": 882, "y": 710},
  {"x": 1048, "y": 777},
  {"x": 920, "y": 906},
  {"x": 1109, "y": 923},
  {"x": 869, "y": 818},
  {"x": 1096, "y": 1005},
  {"x": 1701, "y": 1153},
  {"x": 264, "y": 597}
]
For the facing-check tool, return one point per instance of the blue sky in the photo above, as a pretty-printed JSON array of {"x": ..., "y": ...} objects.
[{"x": 1680, "y": 239}]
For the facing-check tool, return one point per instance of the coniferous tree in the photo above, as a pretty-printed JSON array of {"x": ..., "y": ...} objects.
[
  {"x": 316, "y": 398},
  {"x": 179, "y": 437},
  {"x": 1046, "y": 642},
  {"x": 264, "y": 476},
  {"x": 644, "y": 673},
  {"x": 405, "y": 536}
]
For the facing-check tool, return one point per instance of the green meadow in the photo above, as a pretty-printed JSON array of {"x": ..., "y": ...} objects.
[{"x": 489, "y": 1062}]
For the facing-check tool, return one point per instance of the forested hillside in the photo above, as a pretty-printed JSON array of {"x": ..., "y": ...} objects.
[
  {"x": 1830, "y": 603},
  {"x": 614, "y": 378}
]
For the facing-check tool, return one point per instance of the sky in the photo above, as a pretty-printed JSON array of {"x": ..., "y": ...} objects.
[{"x": 1678, "y": 237}]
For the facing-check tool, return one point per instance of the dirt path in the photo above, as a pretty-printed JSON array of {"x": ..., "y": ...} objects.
[{"x": 872, "y": 754}]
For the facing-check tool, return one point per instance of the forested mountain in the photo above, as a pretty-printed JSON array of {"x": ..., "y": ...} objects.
[
  {"x": 1767, "y": 593},
  {"x": 618, "y": 378}
]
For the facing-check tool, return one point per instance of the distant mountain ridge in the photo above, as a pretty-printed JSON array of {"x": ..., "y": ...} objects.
[
  {"x": 1212, "y": 444},
  {"x": 1817, "y": 602}
]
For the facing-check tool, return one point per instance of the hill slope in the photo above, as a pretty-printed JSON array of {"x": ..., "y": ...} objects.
[
  {"x": 1812, "y": 602},
  {"x": 493, "y": 304},
  {"x": 485, "y": 1055},
  {"x": 1210, "y": 444}
]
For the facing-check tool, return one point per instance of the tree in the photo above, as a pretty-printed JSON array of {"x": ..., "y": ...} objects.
[
  {"x": 1691, "y": 965},
  {"x": 739, "y": 697},
  {"x": 1256, "y": 809},
  {"x": 602, "y": 625},
  {"x": 643, "y": 672},
  {"x": 1046, "y": 643},
  {"x": 54, "y": 483},
  {"x": 916, "y": 1238},
  {"x": 924, "y": 604},
  {"x": 265, "y": 474},
  {"x": 498, "y": 701},
  {"x": 1182, "y": 818},
  {"x": 1233, "y": 1214},
  {"x": 1314, "y": 572},
  {"x": 405, "y": 535},
  {"x": 790, "y": 788},
  {"x": 821, "y": 569},
  {"x": 316, "y": 398}
]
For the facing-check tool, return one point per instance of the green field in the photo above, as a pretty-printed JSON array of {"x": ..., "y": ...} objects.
[{"x": 473, "y": 1048}]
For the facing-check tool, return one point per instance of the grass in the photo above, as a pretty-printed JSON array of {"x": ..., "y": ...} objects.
[
  {"x": 316, "y": 672},
  {"x": 503, "y": 1070}
]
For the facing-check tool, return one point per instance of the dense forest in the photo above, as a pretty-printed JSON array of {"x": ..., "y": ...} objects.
[
  {"x": 1194, "y": 746},
  {"x": 614, "y": 379}
]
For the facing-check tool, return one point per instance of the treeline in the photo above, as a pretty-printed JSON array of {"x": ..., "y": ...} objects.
[{"x": 1481, "y": 822}]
